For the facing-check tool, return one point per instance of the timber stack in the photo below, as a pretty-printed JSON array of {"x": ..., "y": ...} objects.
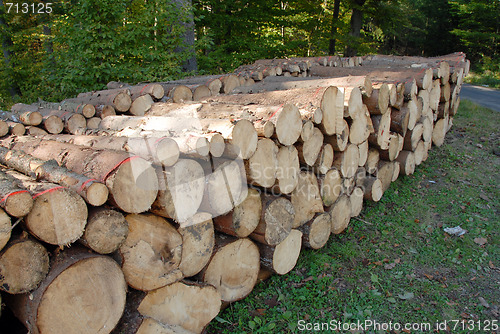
[{"x": 163, "y": 202}]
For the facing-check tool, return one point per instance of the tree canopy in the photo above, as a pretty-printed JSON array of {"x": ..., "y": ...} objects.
[{"x": 82, "y": 44}]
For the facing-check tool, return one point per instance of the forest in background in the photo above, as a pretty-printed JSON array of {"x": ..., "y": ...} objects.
[{"x": 83, "y": 44}]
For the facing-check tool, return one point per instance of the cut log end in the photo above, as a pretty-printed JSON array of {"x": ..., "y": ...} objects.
[
  {"x": 5, "y": 228},
  {"x": 288, "y": 125},
  {"x": 217, "y": 145},
  {"x": 133, "y": 185},
  {"x": 340, "y": 214},
  {"x": 23, "y": 265},
  {"x": 233, "y": 269},
  {"x": 316, "y": 232},
  {"x": 167, "y": 151},
  {"x": 106, "y": 231},
  {"x": 97, "y": 194},
  {"x": 18, "y": 204},
  {"x": 244, "y": 138},
  {"x": 282, "y": 258}
]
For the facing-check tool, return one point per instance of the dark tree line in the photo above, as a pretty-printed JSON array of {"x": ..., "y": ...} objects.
[{"x": 82, "y": 44}]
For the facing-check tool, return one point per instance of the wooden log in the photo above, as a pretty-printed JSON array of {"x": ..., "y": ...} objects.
[
  {"x": 58, "y": 215},
  {"x": 381, "y": 135},
  {"x": 16, "y": 129},
  {"x": 87, "y": 110},
  {"x": 372, "y": 188},
  {"x": 185, "y": 307},
  {"x": 347, "y": 161},
  {"x": 36, "y": 131},
  {"x": 225, "y": 187},
  {"x": 233, "y": 268},
  {"x": 54, "y": 124},
  {"x": 276, "y": 220},
  {"x": 200, "y": 92},
  {"x": 93, "y": 123},
  {"x": 385, "y": 173},
  {"x": 316, "y": 232},
  {"x": 163, "y": 151},
  {"x": 72, "y": 121},
  {"x": 372, "y": 160},
  {"x": 329, "y": 99},
  {"x": 106, "y": 230},
  {"x": 394, "y": 148},
  {"x": 330, "y": 186},
  {"x": 413, "y": 137},
  {"x": 5, "y": 228},
  {"x": 339, "y": 141},
  {"x": 282, "y": 258},
  {"x": 363, "y": 149},
  {"x": 445, "y": 92},
  {"x": 443, "y": 110},
  {"x": 439, "y": 131},
  {"x": 14, "y": 198},
  {"x": 140, "y": 105},
  {"x": 4, "y": 128},
  {"x": 276, "y": 83},
  {"x": 117, "y": 98},
  {"x": 340, "y": 213},
  {"x": 92, "y": 191},
  {"x": 24, "y": 263},
  {"x": 399, "y": 120},
  {"x": 52, "y": 307},
  {"x": 245, "y": 217},
  {"x": 359, "y": 129},
  {"x": 131, "y": 181},
  {"x": 413, "y": 111},
  {"x": 419, "y": 152},
  {"x": 240, "y": 134},
  {"x": 356, "y": 199},
  {"x": 309, "y": 150},
  {"x": 378, "y": 102},
  {"x": 261, "y": 167},
  {"x": 198, "y": 240},
  {"x": 181, "y": 189},
  {"x": 287, "y": 170},
  {"x": 151, "y": 254},
  {"x": 396, "y": 170},
  {"x": 154, "y": 89},
  {"x": 28, "y": 115},
  {"x": 104, "y": 111},
  {"x": 406, "y": 161},
  {"x": 264, "y": 128},
  {"x": 435, "y": 95},
  {"x": 428, "y": 127},
  {"x": 325, "y": 160},
  {"x": 306, "y": 199}
]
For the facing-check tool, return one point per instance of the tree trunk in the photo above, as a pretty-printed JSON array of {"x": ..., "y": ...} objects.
[
  {"x": 333, "y": 33},
  {"x": 7, "y": 55},
  {"x": 356, "y": 24}
]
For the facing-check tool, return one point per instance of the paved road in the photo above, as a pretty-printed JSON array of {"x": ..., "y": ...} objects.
[{"x": 486, "y": 97}]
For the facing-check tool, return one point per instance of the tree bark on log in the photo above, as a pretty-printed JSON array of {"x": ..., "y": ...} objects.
[
  {"x": 28, "y": 115},
  {"x": 92, "y": 191},
  {"x": 87, "y": 110},
  {"x": 72, "y": 122},
  {"x": 117, "y": 98},
  {"x": 131, "y": 181}
]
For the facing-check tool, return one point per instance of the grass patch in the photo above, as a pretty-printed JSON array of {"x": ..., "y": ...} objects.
[
  {"x": 487, "y": 78},
  {"x": 398, "y": 265}
]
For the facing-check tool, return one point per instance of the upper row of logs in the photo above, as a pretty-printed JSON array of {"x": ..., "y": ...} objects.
[{"x": 278, "y": 163}]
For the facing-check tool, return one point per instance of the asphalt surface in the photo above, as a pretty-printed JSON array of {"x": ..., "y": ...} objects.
[{"x": 487, "y": 97}]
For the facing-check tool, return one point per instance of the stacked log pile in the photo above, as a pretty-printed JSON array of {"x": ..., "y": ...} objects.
[{"x": 164, "y": 215}]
